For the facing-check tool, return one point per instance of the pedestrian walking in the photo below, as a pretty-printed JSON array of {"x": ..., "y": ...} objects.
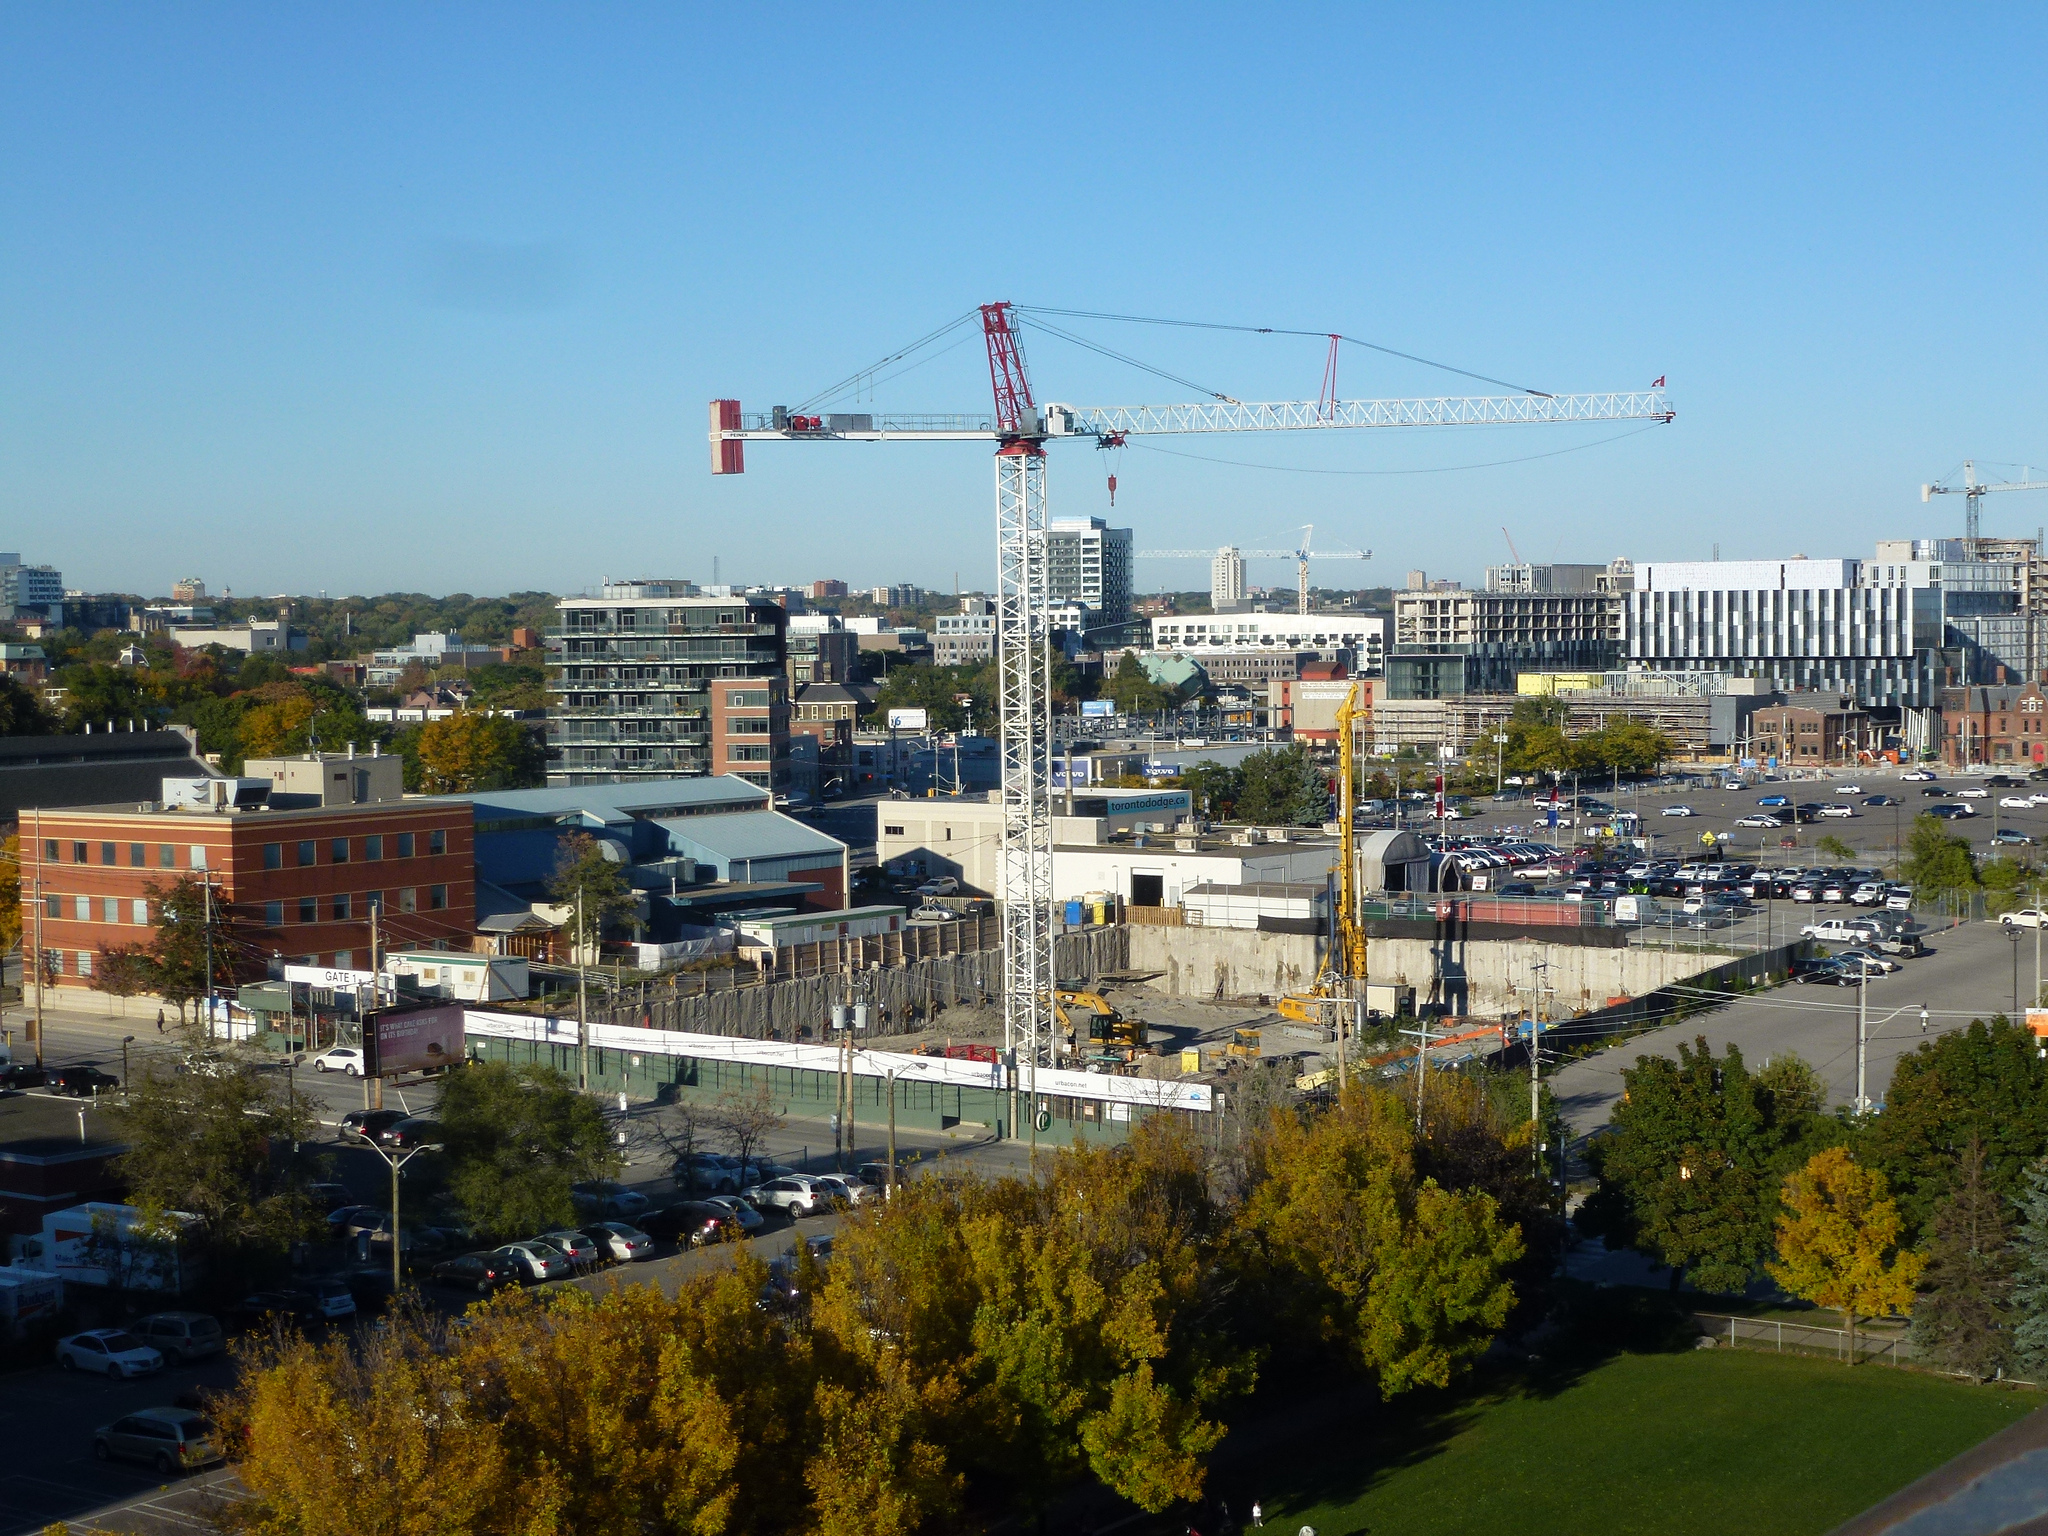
[
  {"x": 1258, "y": 1515},
  {"x": 159, "y": 1021}
]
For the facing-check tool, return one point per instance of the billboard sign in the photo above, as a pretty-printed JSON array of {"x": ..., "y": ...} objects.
[
  {"x": 413, "y": 1040},
  {"x": 909, "y": 719},
  {"x": 1098, "y": 709}
]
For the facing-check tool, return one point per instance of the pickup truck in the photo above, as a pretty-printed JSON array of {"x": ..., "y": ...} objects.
[{"x": 1836, "y": 930}]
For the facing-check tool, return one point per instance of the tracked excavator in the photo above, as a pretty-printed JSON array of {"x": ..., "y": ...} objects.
[{"x": 1092, "y": 1030}]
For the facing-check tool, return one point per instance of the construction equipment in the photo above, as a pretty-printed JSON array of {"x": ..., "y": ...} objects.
[
  {"x": 1976, "y": 492},
  {"x": 1332, "y": 1000},
  {"x": 1301, "y": 554},
  {"x": 1090, "y": 1026},
  {"x": 1245, "y": 1043},
  {"x": 1020, "y": 428}
]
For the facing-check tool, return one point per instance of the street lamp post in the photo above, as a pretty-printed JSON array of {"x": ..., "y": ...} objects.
[
  {"x": 2012, "y": 932},
  {"x": 397, "y": 1254},
  {"x": 126, "y": 1041}
]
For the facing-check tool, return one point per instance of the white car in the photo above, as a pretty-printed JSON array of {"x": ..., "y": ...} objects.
[
  {"x": 1975, "y": 792},
  {"x": 1899, "y": 901},
  {"x": 944, "y": 885},
  {"x": 1919, "y": 776},
  {"x": 113, "y": 1352},
  {"x": 1679, "y": 810},
  {"x": 794, "y": 1194},
  {"x": 2037, "y": 799},
  {"x": 1847, "y": 789},
  {"x": 2017, "y": 803},
  {"x": 1758, "y": 821},
  {"x": 1838, "y": 810},
  {"x": 2026, "y": 917},
  {"x": 340, "y": 1058}
]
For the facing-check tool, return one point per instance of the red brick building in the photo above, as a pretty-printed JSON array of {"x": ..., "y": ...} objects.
[
  {"x": 2003, "y": 724},
  {"x": 750, "y": 730},
  {"x": 297, "y": 883}
]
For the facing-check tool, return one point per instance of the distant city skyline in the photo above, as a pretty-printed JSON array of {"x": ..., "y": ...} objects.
[{"x": 435, "y": 299}]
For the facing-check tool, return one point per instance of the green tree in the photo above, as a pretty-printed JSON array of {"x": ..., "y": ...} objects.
[
  {"x": 1213, "y": 790},
  {"x": 1963, "y": 1317},
  {"x": 1838, "y": 1241},
  {"x": 472, "y": 751},
  {"x": 1134, "y": 691},
  {"x": 1279, "y": 786},
  {"x": 2030, "y": 1275},
  {"x": 1688, "y": 1175},
  {"x": 516, "y": 1138},
  {"x": 589, "y": 870},
  {"x": 213, "y": 1144},
  {"x": 2007, "y": 882},
  {"x": 188, "y": 927},
  {"x": 1831, "y": 846},
  {"x": 1984, "y": 1085},
  {"x": 21, "y": 711},
  {"x": 1938, "y": 860},
  {"x": 937, "y": 691}
]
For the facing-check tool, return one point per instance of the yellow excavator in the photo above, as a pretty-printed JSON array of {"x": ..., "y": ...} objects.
[
  {"x": 1327, "y": 1003},
  {"x": 1092, "y": 1027},
  {"x": 1244, "y": 1043}
]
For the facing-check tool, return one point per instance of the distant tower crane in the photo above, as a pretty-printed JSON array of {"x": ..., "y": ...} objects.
[
  {"x": 1300, "y": 555},
  {"x": 1976, "y": 492},
  {"x": 1020, "y": 428}
]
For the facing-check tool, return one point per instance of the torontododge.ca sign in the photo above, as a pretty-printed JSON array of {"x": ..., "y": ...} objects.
[{"x": 415, "y": 1040}]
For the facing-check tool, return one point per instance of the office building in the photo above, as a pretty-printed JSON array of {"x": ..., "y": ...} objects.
[
  {"x": 750, "y": 730},
  {"x": 1448, "y": 643},
  {"x": 1358, "y": 638},
  {"x": 631, "y": 669},
  {"x": 1226, "y": 579},
  {"x": 188, "y": 589},
  {"x": 1526, "y": 578},
  {"x": 1089, "y": 563},
  {"x": 966, "y": 638},
  {"x": 821, "y": 650},
  {"x": 30, "y": 591},
  {"x": 295, "y": 883},
  {"x": 828, "y": 590}
]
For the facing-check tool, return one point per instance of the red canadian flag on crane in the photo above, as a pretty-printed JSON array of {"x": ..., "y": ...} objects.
[{"x": 1660, "y": 382}]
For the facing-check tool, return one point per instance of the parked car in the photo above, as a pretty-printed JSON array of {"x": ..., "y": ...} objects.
[
  {"x": 750, "y": 1220},
  {"x": 329, "y": 1197},
  {"x": 1879, "y": 965},
  {"x": 1758, "y": 821},
  {"x": 1846, "y": 789},
  {"x": 876, "y": 1175},
  {"x": 604, "y": 1198},
  {"x": 2025, "y": 917},
  {"x": 705, "y": 1171},
  {"x": 113, "y": 1352},
  {"x": 411, "y": 1132},
  {"x": 621, "y": 1243},
  {"x": 1974, "y": 792},
  {"x": 2010, "y": 837},
  {"x": 533, "y": 1263},
  {"x": 1950, "y": 811},
  {"x": 943, "y": 885},
  {"x": 2016, "y": 802},
  {"x": 1831, "y": 973},
  {"x": 1880, "y": 800},
  {"x": 316, "y": 1304},
  {"x": 1838, "y": 811},
  {"x": 371, "y": 1124},
  {"x": 1775, "y": 801},
  {"x": 483, "y": 1271},
  {"x": 844, "y": 1192},
  {"x": 1678, "y": 810},
  {"x": 1899, "y": 899},
  {"x": 172, "y": 1440},
  {"x": 1919, "y": 775},
  {"x": 579, "y": 1248},
  {"x": 692, "y": 1224},
  {"x": 796, "y": 1195},
  {"x": 1933, "y": 792},
  {"x": 1838, "y": 930},
  {"x": 932, "y": 912},
  {"x": 181, "y": 1336},
  {"x": 346, "y": 1059},
  {"x": 82, "y": 1082},
  {"x": 22, "y": 1075}
]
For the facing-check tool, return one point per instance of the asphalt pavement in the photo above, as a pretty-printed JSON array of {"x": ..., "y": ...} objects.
[{"x": 1967, "y": 974}]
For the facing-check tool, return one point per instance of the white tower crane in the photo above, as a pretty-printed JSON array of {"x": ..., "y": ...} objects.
[
  {"x": 1976, "y": 491},
  {"x": 1020, "y": 428},
  {"x": 1301, "y": 554}
]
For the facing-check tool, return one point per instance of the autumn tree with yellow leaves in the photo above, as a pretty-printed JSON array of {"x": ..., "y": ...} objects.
[{"x": 1838, "y": 1241}]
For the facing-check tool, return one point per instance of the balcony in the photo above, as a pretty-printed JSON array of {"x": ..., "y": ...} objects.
[{"x": 653, "y": 631}]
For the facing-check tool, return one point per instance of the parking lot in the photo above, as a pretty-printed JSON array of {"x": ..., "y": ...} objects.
[{"x": 1873, "y": 831}]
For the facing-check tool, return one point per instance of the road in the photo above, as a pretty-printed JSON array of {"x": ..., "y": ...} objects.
[{"x": 1967, "y": 974}]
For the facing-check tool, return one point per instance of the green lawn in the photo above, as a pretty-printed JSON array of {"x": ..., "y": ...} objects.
[{"x": 1684, "y": 1442}]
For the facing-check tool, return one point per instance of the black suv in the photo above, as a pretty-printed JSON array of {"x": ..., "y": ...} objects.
[
  {"x": 371, "y": 1124},
  {"x": 82, "y": 1082},
  {"x": 23, "y": 1074}
]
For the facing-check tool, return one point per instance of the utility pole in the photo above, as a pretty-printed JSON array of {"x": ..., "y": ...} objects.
[
  {"x": 36, "y": 890},
  {"x": 206, "y": 886},
  {"x": 1421, "y": 1066},
  {"x": 582, "y": 1003},
  {"x": 1862, "y": 1033},
  {"x": 376, "y": 1080}
]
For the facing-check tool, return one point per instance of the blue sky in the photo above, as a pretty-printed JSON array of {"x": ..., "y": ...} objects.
[{"x": 369, "y": 297}]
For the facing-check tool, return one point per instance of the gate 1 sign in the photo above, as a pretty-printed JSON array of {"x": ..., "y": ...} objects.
[{"x": 415, "y": 1040}]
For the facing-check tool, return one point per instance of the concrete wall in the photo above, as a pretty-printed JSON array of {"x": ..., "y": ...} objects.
[
  {"x": 1491, "y": 977},
  {"x": 1224, "y": 962}
]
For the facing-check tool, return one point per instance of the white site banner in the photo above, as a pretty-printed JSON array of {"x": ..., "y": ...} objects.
[{"x": 1157, "y": 1093}]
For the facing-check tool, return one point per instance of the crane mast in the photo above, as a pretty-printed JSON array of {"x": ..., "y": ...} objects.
[{"x": 1020, "y": 428}]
